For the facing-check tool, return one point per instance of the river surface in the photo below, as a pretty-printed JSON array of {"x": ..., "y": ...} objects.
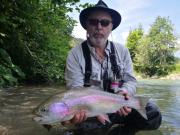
[{"x": 16, "y": 106}]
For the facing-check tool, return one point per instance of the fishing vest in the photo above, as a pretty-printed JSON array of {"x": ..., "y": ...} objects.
[{"x": 88, "y": 63}]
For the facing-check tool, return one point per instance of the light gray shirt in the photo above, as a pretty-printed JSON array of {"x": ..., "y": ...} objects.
[{"x": 75, "y": 67}]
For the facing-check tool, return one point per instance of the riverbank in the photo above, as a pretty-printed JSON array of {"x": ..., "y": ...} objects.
[{"x": 173, "y": 76}]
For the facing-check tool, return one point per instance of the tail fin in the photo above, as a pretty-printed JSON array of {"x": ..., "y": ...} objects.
[{"x": 142, "y": 105}]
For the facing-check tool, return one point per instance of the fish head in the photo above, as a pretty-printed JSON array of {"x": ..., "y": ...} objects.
[{"x": 51, "y": 113}]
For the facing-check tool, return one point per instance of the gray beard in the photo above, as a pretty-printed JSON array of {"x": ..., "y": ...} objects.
[{"x": 98, "y": 42}]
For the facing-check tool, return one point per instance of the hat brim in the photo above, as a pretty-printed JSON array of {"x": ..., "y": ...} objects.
[{"x": 116, "y": 17}]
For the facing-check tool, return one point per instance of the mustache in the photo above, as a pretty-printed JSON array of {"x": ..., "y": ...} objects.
[{"x": 98, "y": 34}]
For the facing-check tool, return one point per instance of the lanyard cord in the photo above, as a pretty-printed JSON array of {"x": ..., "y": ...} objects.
[{"x": 105, "y": 74}]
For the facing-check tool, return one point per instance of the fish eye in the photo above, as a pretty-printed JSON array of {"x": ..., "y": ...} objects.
[{"x": 44, "y": 109}]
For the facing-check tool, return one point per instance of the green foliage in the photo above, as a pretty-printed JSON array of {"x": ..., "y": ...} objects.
[
  {"x": 50, "y": 53},
  {"x": 142, "y": 60},
  {"x": 133, "y": 39},
  {"x": 177, "y": 66},
  {"x": 155, "y": 55},
  {"x": 35, "y": 36},
  {"x": 10, "y": 74}
]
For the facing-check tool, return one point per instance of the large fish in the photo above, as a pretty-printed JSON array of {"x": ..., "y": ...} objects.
[{"x": 63, "y": 106}]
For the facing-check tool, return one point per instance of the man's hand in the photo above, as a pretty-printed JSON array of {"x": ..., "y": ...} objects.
[
  {"x": 124, "y": 111},
  {"x": 103, "y": 118},
  {"x": 78, "y": 118}
]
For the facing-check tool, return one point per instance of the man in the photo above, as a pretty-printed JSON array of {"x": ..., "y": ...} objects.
[{"x": 99, "y": 62}]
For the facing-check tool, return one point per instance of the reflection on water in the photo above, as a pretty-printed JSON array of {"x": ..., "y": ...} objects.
[{"x": 16, "y": 108}]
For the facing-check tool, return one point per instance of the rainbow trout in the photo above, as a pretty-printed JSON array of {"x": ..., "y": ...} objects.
[{"x": 63, "y": 106}]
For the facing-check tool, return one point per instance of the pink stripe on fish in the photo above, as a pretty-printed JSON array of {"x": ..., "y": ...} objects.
[{"x": 90, "y": 99}]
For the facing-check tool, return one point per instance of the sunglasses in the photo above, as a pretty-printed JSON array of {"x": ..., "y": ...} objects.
[{"x": 103, "y": 22}]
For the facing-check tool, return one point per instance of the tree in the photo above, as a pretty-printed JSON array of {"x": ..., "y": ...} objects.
[
  {"x": 155, "y": 54},
  {"x": 35, "y": 36},
  {"x": 133, "y": 39},
  {"x": 143, "y": 60}
]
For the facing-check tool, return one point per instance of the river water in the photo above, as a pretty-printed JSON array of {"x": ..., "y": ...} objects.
[{"x": 16, "y": 106}]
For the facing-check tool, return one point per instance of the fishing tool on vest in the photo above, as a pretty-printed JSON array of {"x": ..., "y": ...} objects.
[{"x": 109, "y": 84}]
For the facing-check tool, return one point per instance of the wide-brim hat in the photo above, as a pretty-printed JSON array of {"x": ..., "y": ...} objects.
[{"x": 116, "y": 17}]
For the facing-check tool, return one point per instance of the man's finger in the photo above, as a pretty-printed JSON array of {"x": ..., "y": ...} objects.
[
  {"x": 127, "y": 109},
  {"x": 75, "y": 119},
  {"x": 65, "y": 123},
  {"x": 123, "y": 111},
  {"x": 125, "y": 94},
  {"x": 101, "y": 119},
  {"x": 82, "y": 116},
  {"x": 118, "y": 111}
]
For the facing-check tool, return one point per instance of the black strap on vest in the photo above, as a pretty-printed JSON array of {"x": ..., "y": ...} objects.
[
  {"x": 114, "y": 66},
  {"x": 88, "y": 63}
]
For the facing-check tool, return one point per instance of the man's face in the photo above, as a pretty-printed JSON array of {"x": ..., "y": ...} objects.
[{"x": 99, "y": 26}]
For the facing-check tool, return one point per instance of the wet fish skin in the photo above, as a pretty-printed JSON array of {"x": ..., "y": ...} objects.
[{"x": 63, "y": 106}]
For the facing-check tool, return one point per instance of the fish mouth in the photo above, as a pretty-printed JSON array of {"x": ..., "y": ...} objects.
[
  {"x": 43, "y": 120},
  {"x": 38, "y": 119}
]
